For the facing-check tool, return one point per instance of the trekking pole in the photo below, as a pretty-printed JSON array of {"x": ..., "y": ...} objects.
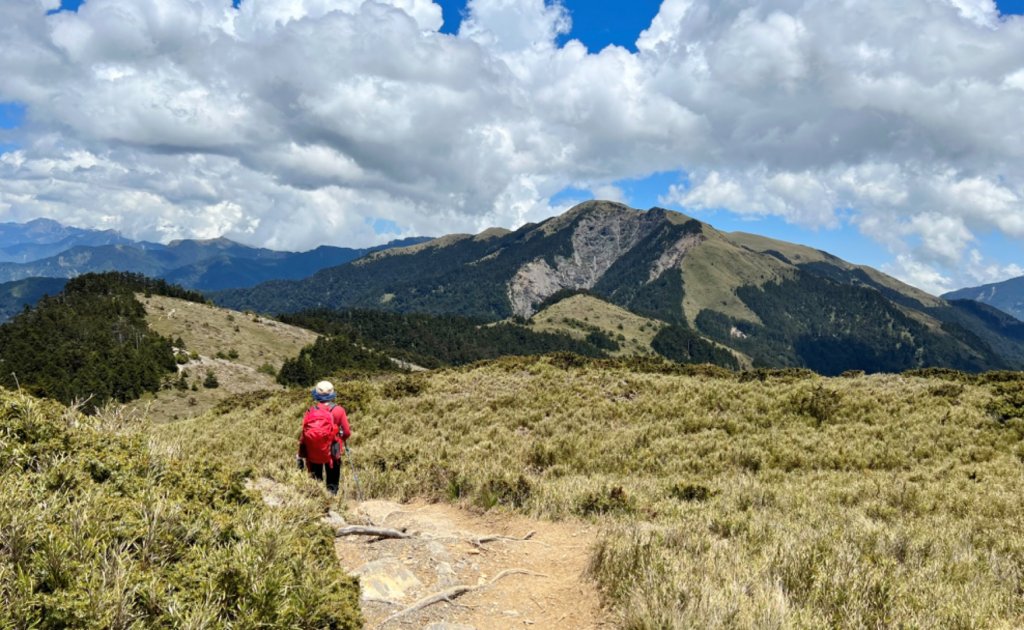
[{"x": 348, "y": 456}]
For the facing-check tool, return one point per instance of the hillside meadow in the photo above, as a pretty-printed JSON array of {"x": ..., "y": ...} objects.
[
  {"x": 763, "y": 499},
  {"x": 242, "y": 351},
  {"x": 760, "y": 500}
]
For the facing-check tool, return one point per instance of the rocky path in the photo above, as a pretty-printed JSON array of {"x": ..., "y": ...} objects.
[{"x": 496, "y": 570}]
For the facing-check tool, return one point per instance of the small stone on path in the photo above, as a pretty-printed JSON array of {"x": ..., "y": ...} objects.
[
  {"x": 333, "y": 520},
  {"x": 386, "y": 580},
  {"x": 446, "y": 576}
]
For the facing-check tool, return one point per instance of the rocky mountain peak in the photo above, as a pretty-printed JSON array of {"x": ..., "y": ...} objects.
[
  {"x": 602, "y": 233},
  {"x": 590, "y": 209}
]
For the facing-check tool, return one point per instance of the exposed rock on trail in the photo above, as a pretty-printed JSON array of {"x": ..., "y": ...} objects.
[{"x": 463, "y": 570}]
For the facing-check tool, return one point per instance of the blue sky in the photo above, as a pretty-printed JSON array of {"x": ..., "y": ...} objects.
[
  {"x": 12, "y": 115},
  {"x": 597, "y": 23},
  {"x": 954, "y": 186}
]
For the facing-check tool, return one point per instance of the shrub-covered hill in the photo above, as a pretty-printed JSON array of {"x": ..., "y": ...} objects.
[
  {"x": 100, "y": 530},
  {"x": 761, "y": 500},
  {"x": 90, "y": 342}
]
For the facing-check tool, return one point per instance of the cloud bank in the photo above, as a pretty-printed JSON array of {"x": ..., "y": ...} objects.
[{"x": 291, "y": 123}]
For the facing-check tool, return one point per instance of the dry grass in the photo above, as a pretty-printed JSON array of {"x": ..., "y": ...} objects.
[
  {"x": 437, "y": 243},
  {"x": 209, "y": 330},
  {"x": 251, "y": 349},
  {"x": 795, "y": 502},
  {"x": 172, "y": 404}
]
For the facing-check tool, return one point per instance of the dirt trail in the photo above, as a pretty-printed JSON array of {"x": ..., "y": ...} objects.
[{"x": 446, "y": 552}]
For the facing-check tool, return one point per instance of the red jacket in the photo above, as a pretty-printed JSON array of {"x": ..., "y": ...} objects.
[{"x": 341, "y": 419}]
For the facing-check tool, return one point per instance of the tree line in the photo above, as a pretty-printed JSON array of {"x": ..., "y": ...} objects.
[{"x": 430, "y": 341}]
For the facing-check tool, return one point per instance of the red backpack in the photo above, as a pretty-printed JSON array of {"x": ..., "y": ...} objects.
[{"x": 319, "y": 433}]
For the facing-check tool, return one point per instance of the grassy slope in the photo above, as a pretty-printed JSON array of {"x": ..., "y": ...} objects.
[
  {"x": 573, "y": 315},
  {"x": 209, "y": 330},
  {"x": 638, "y": 331},
  {"x": 716, "y": 268},
  {"x": 878, "y": 501},
  {"x": 801, "y": 254},
  {"x": 436, "y": 243}
]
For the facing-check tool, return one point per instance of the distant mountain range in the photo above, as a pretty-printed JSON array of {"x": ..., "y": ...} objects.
[
  {"x": 202, "y": 265},
  {"x": 770, "y": 302},
  {"x": 37, "y": 257},
  {"x": 42, "y": 238},
  {"x": 46, "y": 249},
  {"x": 1006, "y": 296}
]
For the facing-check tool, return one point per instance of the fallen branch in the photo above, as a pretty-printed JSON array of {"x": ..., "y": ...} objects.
[
  {"x": 456, "y": 591},
  {"x": 379, "y": 532},
  {"x": 381, "y": 600},
  {"x": 479, "y": 542}
]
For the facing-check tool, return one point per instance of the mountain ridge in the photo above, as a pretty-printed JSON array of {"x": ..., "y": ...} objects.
[
  {"x": 1007, "y": 296},
  {"x": 735, "y": 289},
  {"x": 42, "y": 238},
  {"x": 202, "y": 264}
]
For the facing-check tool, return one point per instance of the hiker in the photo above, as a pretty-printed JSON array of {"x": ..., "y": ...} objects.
[{"x": 322, "y": 438}]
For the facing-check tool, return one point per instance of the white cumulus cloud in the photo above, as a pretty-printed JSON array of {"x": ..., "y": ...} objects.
[{"x": 292, "y": 123}]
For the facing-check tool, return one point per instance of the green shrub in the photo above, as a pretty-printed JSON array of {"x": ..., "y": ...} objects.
[
  {"x": 505, "y": 491},
  {"x": 602, "y": 340},
  {"x": 951, "y": 390},
  {"x": 404, "y": 386},
  {"x": 1001, "y": 376},
  {"x": 946, "y": 374},
  {"x": 1007, "y": 402},
  {"x": 819, "y": 403},
  {"x": 690, "y": 492},
  {"x": 96, "y": 531},
  {"x": 786, "y": 375},
  {"x": 605, "y": 501}
]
